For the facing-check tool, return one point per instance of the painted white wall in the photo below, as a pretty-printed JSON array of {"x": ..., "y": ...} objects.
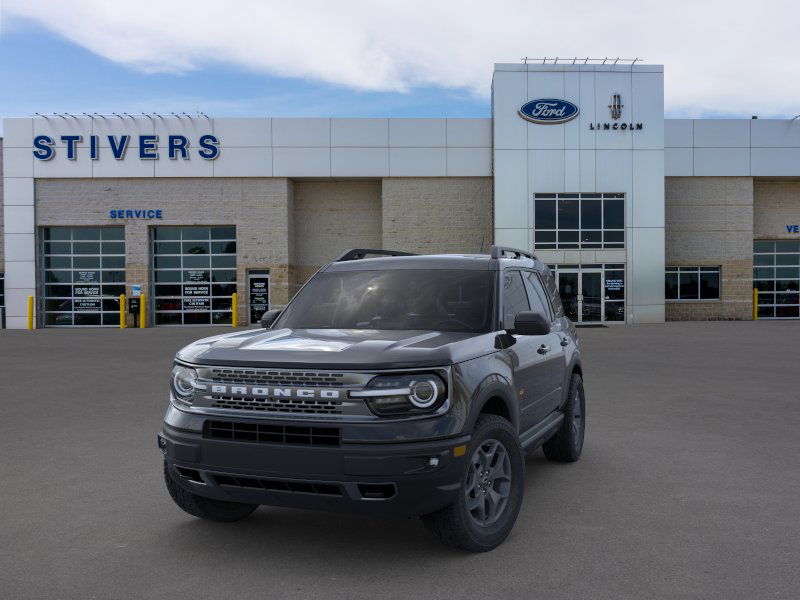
[{"x": 571, "y": 157}]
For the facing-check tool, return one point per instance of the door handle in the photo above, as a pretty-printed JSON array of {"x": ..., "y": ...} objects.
[
  {"x": 543, "y": 349},
  {"x": 565, "y": 341}
]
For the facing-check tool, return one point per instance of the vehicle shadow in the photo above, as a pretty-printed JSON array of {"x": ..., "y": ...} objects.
[{"x": 322, "y": 538}]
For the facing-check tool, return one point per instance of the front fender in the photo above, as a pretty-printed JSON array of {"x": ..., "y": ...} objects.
[{"x": 482, "y": 379}]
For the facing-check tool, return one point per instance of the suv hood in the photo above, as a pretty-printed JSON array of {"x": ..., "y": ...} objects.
[{"x": 338, "y": 348}]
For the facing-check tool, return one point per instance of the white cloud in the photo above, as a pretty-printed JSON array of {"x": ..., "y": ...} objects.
[{"x": 726, "y": 56}]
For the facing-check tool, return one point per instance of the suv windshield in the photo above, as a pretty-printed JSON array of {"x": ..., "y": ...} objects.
[{"x": 436, "y": 300}]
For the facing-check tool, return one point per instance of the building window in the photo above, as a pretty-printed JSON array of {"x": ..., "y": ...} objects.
[
  {"x": 692, "y": 283},
  {"x": 83, "y": 275},
  {"x": 194, "y": 275},
  {"x": 776, "y": 275},
  {"x": 578, "y": 221}
]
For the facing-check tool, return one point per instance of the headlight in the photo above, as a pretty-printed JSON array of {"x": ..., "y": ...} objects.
[
  {"x": 183, "y": 379},
  {"x": 389, "y": 395}
]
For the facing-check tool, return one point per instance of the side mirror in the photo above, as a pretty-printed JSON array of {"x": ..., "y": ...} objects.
[
  {"x": 531, "y": 323},
  {"x": 268, "y": 318}
]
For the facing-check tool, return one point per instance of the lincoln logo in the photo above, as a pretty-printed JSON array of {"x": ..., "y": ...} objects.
[
  {"x": 616, "y": 106},
  {"x": 548, "y": 111},
  {"x": 275, "y": 392}
]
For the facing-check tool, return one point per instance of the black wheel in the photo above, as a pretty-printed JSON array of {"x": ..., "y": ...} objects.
[
  {"x": 491, "y": 490},
  {"x": 567, "y": 443},
  {"x": 206, "y": 508}
]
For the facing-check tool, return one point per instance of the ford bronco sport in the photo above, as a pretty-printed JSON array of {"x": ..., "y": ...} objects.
[{"x": 398, "y": 385}]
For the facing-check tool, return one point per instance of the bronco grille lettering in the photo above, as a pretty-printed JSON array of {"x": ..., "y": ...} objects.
[{"x": 282, "y": 392}]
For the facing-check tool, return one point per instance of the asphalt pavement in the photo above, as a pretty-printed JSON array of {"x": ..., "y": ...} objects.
[{"x": 689, "y": 484}]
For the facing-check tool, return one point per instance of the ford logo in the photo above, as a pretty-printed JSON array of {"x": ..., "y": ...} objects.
[{"x": 548, "y": 111}]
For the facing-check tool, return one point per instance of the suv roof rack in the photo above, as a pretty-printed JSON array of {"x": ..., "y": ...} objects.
[
  {"x": 501, "y": 251},
  {"x": 360, "y": 253}
]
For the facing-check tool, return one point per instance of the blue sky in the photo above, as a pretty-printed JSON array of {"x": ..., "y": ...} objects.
[{"x": 44, "y": 73}]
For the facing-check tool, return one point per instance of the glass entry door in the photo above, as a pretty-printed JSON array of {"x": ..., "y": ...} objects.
[{"x": 592, "y": 293}]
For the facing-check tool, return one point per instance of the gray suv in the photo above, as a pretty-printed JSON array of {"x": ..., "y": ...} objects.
[{"x": 396, "y": 385}]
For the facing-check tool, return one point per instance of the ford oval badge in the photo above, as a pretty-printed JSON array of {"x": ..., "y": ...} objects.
[{"x": 548, "y": 111}]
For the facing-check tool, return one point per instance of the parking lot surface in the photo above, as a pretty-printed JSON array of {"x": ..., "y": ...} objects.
[{"x": 688, "y": 487}]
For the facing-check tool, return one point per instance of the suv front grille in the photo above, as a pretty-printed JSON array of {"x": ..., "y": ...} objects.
[
  {"x": 273, "y": 434},
  {"x": 273, "y": 377},
  {"x": 284, "y": 405},
  {"x": 319, "y": 488}
]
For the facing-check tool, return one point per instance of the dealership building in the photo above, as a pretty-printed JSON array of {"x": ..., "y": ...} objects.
[{"x": 643, "y": 219}]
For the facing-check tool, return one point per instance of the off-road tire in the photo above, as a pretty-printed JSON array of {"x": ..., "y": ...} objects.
[
  {"x": 454, "y": 525},
  {"x": 206, "y": 508},
  {"x": 566, "y": 445}
]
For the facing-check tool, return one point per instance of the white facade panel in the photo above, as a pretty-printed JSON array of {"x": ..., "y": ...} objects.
[
  {"x": 678, "y": 162},
  {"x": 678, "y": 133},
  {"x": 469, "y": 162},
  {"x": 545, "y": 171},
  {"x": 18, "y": 191},
  {"x": 511, "y": 200},
  {"x": 647, "y": 108},
  {"x": 646, "y": 267},
  {"x": 572, "y": 170},
  {"x": 360, "y": 132},
  {"x": 360, "y": 162},
  {"x": 17, "y": 133},
  {"x": 190, "y": 128},
  {"x": 728, "y": 162},
  {"x": 418, "y": 162},
  {"x": 469, "y": 133},
  {"x": 19, "y": 246},
  {"x": 301, "y": 162},
  {"x": 243, "y": 132},
  {"x": 243, "y": 162},
  {"x": 573, "y": 129},
  {"x": 417, "y": 133},
  {"x": 18, "y": 162},
  {"x": 774, "y": 161},
  {"x": 588, "y": 114},
  {"x": 509, "y": 93},
  {"x": 586, "y": 168},
  {"x": 721, "y": 133},
  {"x": 513, "y": 238},
  {"x": 775, "y": 133},
  {"x": 647, "y": 197},
  {"x": 17, "y": 303},
  {"x": 60, "y": 167},
  {"x": 18, "y": 219},
  {"x": 301, "y": 133}
]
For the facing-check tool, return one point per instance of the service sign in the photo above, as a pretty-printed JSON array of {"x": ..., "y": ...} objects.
[{"x": 548, "y": 111}]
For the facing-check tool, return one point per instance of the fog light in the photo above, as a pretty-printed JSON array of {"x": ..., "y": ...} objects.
[{"x": 433, "y": 461}]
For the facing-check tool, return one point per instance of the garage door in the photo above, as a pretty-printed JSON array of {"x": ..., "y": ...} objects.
[
  {"x": 82, "y": 275},
  {"x": 776, "y": 274}
]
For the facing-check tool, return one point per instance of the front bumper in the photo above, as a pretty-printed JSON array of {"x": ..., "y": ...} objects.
[{"x": 402, "y": 479}]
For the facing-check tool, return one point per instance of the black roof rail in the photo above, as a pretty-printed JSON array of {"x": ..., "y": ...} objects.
[
  {"x": 501, "y": 251},
  {"x": 359, "y": 253}
]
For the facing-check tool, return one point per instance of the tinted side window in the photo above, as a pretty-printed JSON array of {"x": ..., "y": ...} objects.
[
  {"x": 538, "y": 297},
  {"x": 552, "y": 291},
  {"x": 515, "y": 298}
]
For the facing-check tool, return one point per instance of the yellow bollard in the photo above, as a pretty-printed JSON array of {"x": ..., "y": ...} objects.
[
  {"x": 234, "y": 309},
  {"x": 30, "y": 312},
  {"x": 122, "y": 323},
  {"x": 142, "y": 312},
  {"x": 755, "y": 304}
]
